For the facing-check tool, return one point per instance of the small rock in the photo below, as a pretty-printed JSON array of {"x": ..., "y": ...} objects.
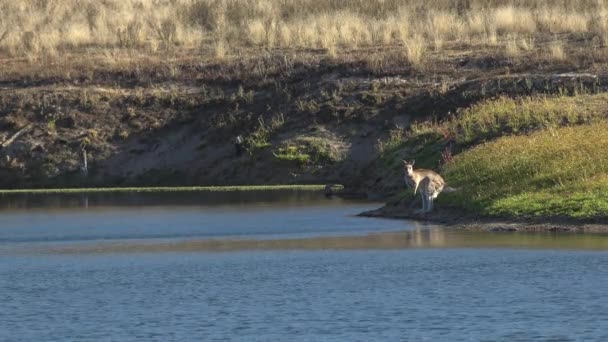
[
  {"x": 66, "y": 122},
  {"x": 503, "y": 229},
  {"x": 559, "y": 229},
  {"x": 38, "y": 149}
]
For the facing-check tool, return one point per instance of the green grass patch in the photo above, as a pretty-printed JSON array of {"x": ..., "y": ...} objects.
[
  {"x": 292, "y": 153},
  {"x": 553, "y": 172},
  {"x": 307, "y": 150},
  {"x": 260, "y": 138},
  {"x": 313, "y": 187}
]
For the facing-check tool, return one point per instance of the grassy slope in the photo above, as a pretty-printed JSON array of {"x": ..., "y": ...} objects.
[
  {"x": 504, "y": 116},
  {"x": 554, "y": 172},
  {"x": 535, "y": 156}
]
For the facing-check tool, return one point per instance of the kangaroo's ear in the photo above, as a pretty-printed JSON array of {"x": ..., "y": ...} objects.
[
  {"x": 413, "y": 162},
  {"x": 404, "y": 162}
]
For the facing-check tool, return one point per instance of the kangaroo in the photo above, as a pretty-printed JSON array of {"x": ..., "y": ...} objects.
[{"x": 430, "y": 183}]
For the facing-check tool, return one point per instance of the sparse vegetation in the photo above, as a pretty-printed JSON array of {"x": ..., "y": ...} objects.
[
  {"x": 396, "y": 138},
  {"x": 260, "y": 138},
  {"x": 307, "y": 150}
]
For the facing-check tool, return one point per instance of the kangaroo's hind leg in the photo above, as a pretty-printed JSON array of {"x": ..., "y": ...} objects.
[
  {"x": 430, "y": 203},
  {"x": 424, "y": 201}
]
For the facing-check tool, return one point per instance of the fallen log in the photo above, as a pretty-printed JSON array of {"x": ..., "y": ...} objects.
[{"x": 14, "y": 137}]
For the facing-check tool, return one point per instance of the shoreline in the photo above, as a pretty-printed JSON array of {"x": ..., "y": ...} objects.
[
  {"x": 458, "y": 219},
  {"x": 451, "y": 218},
  {"x": 311, "y": 187}
]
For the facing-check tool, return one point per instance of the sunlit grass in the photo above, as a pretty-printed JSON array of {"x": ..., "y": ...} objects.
[
  {"x": 553, "y": 172},
  {"x": 43, "y": 29},
  {"x": 503, "y": 116}
]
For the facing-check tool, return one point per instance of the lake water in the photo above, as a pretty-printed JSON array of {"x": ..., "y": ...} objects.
[{"x": 283, "y": 267}]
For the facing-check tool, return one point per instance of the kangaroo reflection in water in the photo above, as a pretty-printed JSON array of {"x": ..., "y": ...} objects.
[
  {"x": 426, "y": 237},
  {"x": 420, "y": 236}
]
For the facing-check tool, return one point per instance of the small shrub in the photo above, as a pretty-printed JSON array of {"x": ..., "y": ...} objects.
[
  {"x": 131, "y": 35},
  {"x": 447, "y": 156},
  {"x": 260, "y": 138},
  {"x": 415, "y": 49},
  {"x": 396, "y": 138},
  {"x": 292, "y": 153},
  {"x": 556, "y": 52},
  {"x": 51, "y": 125},
  {"x": 123, "y": 134},
  {"x": 30, "y": 41},
  {"x": 166, "y": 31}
]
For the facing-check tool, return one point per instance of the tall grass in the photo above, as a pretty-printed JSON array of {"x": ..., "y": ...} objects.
[{"x": 37, "y": 28}]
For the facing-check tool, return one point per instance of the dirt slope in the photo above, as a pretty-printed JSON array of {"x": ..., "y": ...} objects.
[{"x": 316, "y": 122}]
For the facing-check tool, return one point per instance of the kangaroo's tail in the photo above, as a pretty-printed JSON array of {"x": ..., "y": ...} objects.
[{"x": 448, "y": 189}]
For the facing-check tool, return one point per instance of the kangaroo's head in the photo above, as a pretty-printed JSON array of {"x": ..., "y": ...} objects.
[{"x": 408, "y": 167}]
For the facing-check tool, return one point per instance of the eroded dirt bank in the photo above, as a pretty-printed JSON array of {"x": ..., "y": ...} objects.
[{"x": 318, "y": 122}]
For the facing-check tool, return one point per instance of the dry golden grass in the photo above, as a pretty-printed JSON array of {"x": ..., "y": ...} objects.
[
  {"x": 556, "y": 52},
  {"x": 415, "y": 49},
  {"x": 512, "y": 49},
  {"x": 46, "y": 29}
]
